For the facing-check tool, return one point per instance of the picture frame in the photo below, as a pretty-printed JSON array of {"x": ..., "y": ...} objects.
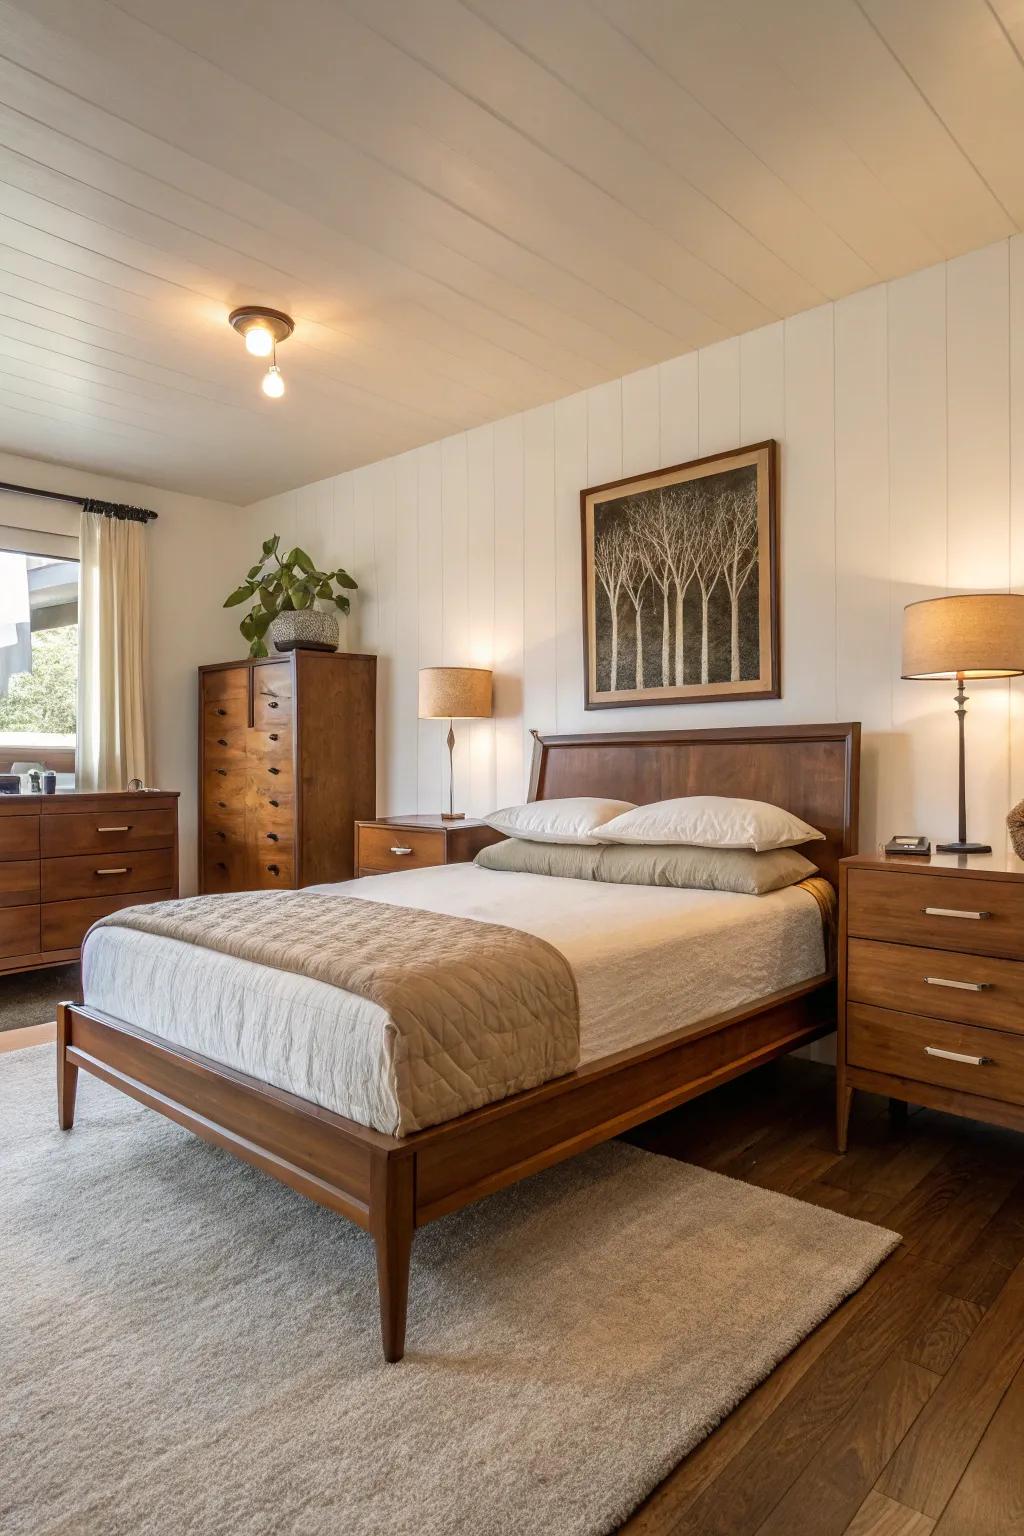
[{"x": 681, "y": 583}]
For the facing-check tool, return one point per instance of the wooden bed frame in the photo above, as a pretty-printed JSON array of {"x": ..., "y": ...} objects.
[{"x": 392, "y": 1185}]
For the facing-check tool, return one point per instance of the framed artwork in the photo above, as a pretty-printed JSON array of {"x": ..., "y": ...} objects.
[{"x": 681, "y": 583}]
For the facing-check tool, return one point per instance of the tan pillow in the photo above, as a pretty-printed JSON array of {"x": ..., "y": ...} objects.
[
  {"x": 704, "y": 869},
  {"x": 557, "y": 821},
  {"x": 516, "y": 856},
  {"x": 701, "y": 869},
  {"x": 709, "y": 821}
]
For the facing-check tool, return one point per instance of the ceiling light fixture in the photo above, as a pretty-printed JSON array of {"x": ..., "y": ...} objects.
[{"x": 262, "y": 329}]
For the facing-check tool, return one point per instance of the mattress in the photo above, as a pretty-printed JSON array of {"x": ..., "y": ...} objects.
[{"x": 646, "y": 959}]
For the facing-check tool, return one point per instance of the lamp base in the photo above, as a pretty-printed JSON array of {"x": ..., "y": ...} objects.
[
  {"x": 963, "y": 847},
  {"x": 453, "y": 815}
]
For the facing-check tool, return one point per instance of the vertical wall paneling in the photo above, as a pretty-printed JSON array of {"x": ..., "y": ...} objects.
[
  {"x": 570, "y": 479},
  {"x": 808, "y": 520},
  {"x": 431, "y": 786},
  {"x": 467, "y": 551},
  {"x": 921, "y": 770},
  {"x": 679, "y": 409},
  {"x": 339, "y": 548},
  {"x": 539, "y": 611},
  {"x": 480, "y": 573},
  {"x": 403, "y": 746},
  {"x": 1016, "y": 787},
  {"x": 978, "y": 404},
  {"x": 509, "y": 761},
  {"x": 719, "y": 382},
  {"x": 863, "y": 685},
  {"x": 641, "y": 422},
  {"x": 455, "y": 584}
]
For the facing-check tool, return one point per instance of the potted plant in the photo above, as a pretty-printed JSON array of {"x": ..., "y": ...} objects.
[{"x": 286, "y": 596}]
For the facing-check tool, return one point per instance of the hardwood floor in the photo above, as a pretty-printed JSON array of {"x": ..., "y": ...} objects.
[{"x": 903, "y": 1414}]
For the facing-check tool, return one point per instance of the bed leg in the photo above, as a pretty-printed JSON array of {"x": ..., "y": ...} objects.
[
  {"x": 391, "y": 1225},
  {"x": 67, "y": 1073}
]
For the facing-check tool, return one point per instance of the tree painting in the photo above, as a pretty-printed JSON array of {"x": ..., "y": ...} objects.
[{"x": 679, "y": 606}]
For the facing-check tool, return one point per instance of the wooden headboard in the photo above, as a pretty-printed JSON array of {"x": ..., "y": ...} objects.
[{"x": 811, "y": 770}]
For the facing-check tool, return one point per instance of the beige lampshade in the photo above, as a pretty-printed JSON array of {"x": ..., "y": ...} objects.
[
  {"x": 455, "y": 693},
  {"x": 979, "y": 634}
]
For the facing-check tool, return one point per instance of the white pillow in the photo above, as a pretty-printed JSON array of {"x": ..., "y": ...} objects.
[
  {"x": 709, "y": 821},
  {"x": 557, "y": 821}
]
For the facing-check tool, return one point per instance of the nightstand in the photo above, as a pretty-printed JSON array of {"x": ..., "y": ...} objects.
[
  {"x": 417, "y": 842},
  {"x": 931, "y": 985}
]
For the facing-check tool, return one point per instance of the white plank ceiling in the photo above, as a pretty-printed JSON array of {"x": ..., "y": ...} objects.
[{"x": 469, "y": 208}]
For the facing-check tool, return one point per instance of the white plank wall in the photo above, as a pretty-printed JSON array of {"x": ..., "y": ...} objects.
[{"x": 900, "y": 414}]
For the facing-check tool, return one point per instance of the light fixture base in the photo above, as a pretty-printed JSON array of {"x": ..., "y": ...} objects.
[
  {"x": 275, "y": 321},
  {"x": 959, "y": 847},
  {"x": 453, "y": 815}
]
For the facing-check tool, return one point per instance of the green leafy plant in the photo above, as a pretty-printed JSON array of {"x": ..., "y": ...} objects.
[{"x": 289, "y": 583}]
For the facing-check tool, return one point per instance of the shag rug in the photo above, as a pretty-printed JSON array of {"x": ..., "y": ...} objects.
[
  {"x": 190, "y": 1349},
  {"x": 31, "y": 997}
]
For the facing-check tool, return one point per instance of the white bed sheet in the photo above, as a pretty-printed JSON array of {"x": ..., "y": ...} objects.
[{"x": 647, "y": 959}]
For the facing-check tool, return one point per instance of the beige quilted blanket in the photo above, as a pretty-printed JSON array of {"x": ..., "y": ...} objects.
[{"x": 476, "y": 1011}]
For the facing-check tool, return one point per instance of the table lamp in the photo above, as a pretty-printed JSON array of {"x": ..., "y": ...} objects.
[
  {"x": 454, "y": 693},
  {"x": 977, "y": 635}
]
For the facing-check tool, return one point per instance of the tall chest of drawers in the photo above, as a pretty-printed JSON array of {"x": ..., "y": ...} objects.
[
  {"x": 68, "y": 859},
  {"x": 931, "y": 985},
  {"x": 287, "y": 765}
]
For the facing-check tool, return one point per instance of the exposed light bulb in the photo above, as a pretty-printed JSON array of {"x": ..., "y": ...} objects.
[
  {"x": 273, "y": 383},
  {"x": 258, "y": 341}
]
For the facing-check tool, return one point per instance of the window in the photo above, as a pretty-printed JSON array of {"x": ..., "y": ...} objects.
[{"x": 38, "y": 652}]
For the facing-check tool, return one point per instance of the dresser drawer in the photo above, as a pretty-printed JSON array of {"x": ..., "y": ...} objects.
[
  {"x": 19, "y": 882},
  {"x": 115, "y": 831},
  {"x": 978, "y": 1061},
  {"x": 224, "y": 868},
  {"x": 983, "y": 917},
  {"x": 947, "y": 984},
  {"x": 272, "y": 696},
  {"x": 19, "y": 837},
  {"x": 19, "y": 931},
  {"x": 103, "y": 875},
  {"x": 224, "y": 744},
  {"x": 271, "y": 869},
  {"x": 64, "y": 924},
  {"x": 226, "y": 683},
  {"x": 380, "y": 849}
]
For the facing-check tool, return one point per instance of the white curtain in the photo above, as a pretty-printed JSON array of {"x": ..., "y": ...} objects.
[{"x": 112, "y": 653}]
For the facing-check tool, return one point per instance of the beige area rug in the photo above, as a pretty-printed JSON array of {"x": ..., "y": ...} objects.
[{"x": 189, "y": 1349}]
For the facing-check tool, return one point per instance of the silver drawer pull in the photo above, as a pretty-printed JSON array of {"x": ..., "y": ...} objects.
[
  {"x": 113, "y": 829},
  {"x": 400, "y": 850},
  {"x": 953, "y": 912},
  {"x": 124, "y": 870},
  {"x": 968, "y": 1061},
  {"x": 961, "y": 986}
]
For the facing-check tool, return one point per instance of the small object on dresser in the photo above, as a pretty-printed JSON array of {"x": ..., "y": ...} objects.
[
  {"x": 34, "y": 782},
  {"x": 10, "y": 783},
  {"x": 901, "y": 844},
  {"x": 49, "y": 782},
  {"x": 1015, "y": 827}
]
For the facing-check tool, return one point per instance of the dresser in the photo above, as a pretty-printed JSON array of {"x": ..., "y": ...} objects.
[
  {"x": 931, "y": 985},
  {"x": 417, "y": 842},
  {"x": 287, "y": 765},
  {"x": 68, "y": 859}
]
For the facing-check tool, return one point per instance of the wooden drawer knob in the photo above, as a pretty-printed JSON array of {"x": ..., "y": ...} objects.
[
  {"x": 273, "y": 735},
  {"x": 272, "y": 704},
  {"x": 222, "y": 711},
  {"x": 273, "y": 869},
  {"x": 221, "y": 741},
  {"x": 272, "y": 836},
  {"x": 274, "y": 803},
  {"x": 273, "y": 770},
  {"x": 223, "y": 772}
]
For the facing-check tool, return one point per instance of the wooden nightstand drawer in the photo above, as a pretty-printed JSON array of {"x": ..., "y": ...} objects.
[
  {"x": 960, "y": 1056},
  {"x": 381, "y": 849},
  {"x": 982, "y": 917},
  {"x": 107, "y": 874},
  {"x": 19, "y": 837},
  {"x": 947, "y": 984}
]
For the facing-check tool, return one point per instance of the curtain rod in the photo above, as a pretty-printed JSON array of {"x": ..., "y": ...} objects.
[{"x": 87, "y": 503}]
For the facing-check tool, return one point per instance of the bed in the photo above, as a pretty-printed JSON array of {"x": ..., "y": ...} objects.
[{"x": 738, "y": 980}]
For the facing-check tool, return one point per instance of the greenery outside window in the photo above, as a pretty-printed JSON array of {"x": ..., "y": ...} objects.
[{"x": 38, "y": 660}]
